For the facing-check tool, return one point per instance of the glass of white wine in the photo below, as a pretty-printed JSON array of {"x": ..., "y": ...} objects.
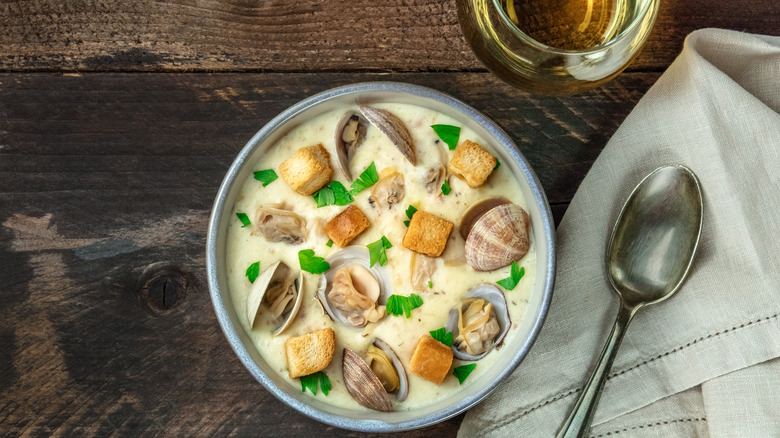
[{"x": 556, "y": 46}]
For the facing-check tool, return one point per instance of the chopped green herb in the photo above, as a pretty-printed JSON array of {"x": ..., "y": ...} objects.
[
  {"x": 329, "y": 244},
  {"x": 430, "y": 284},
  {"x": 409, "y": 213},
  {"x": 310, "y": 382},
  {"x": 253, "y": 271},
  {"x": 311, "y": 263},
  {"x": 397, "y": 304},
  {"x": 449, "y": 134},
  {"x": 244, "y": 219},
  {"x": 443, "y": 336},
  {"x": 445, "y": 188},
  {"x": 332, "y": 194},
  {"x": 266, "y": 176},
  {"x": 366, "y": 179},
  {"x": 376, "y": 251},
  {"x": 516, "y": 274},
  {"x": 498, "y": 164},
  {"x": 463, "y": 371}
]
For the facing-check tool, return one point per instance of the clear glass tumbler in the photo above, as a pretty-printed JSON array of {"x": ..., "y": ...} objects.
[{"x": 562, "y": 56}]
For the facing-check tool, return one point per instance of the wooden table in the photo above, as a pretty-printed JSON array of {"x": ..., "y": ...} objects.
[{"x": 118, "y": 121}]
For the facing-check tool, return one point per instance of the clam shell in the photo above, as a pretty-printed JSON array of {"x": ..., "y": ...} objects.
[
  {"x": 345, "y": 151},
  {"x": 290, "y": 317},
  {"x": 362, "y": 384},
  {"x": 403, "y": 388},
  {"x": 276, "y": 272},
  {"x": 348, "y": 256},
  {"x": 489, "y": 293},
  {"x": 498, "y": 238},
  {"x": 475, "y": 212},
  {"x": 394, "y": 129}
]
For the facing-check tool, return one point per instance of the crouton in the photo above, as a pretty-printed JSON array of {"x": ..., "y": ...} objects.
[
  {"x": 427, "y": 234},
  {"x": 472, "y": 163},
  {"x": 307, "y": 170},
  {"x": 347, "y": 225},
  {"x": 431, "y": 359},
  {"x": 309, "y": 353}
]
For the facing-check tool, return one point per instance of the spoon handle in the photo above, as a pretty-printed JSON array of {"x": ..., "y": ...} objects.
[{"x": 578, "y": 423}]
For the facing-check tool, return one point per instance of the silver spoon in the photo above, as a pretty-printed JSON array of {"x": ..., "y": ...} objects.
[{"x": 649, "y": 255}]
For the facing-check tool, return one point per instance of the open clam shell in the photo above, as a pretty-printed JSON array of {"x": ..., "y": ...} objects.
[
  {"x": 403, "y": 388},
  {"x": 497, "y": 237},
  {"x": 350, "y": 133},
  {"x": 287, "y": 292},
  {"x": 364, "y": 385},
  {"x": 352, "y": 255},
  {"x": 494, "y": 296},
  {"x": 394, "y": 129}
]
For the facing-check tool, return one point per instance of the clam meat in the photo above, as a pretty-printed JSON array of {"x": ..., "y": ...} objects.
[
  {"x": 352, "y": 293},
  {"x": 389, "y": 190},
  {"x": 421, "y": 269},
  {"x": 277, "y": 291},
  {"x": 371, "y": 381},
  {"x": 394, "y": 129},
  {"x": 277, "y": 224},
  {"x": 350, "y": 132},
  {"x": 479, "y": 322},
  {"x": 496, "y": 233}
]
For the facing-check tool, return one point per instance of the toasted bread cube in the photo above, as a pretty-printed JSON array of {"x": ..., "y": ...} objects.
[
  {"x": 309, "y": 353},
  {"x": 307, "y": 170},
  {"x": 431, "y": 359},
  {"x": 472, "y": 163},
  {"x": 346, "y": 226},
  {"x": 427, "y": 234}
]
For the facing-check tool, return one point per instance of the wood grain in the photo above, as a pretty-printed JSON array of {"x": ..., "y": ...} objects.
[
  {"x": 106, "y": 326},
  {"x": 320, "y": 35}
]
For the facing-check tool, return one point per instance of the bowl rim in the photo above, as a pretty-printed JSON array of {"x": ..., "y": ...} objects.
[{"x": 507, "y": 145}]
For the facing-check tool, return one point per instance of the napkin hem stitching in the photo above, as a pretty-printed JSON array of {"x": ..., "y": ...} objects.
[
  {"x": 649, "y": 425},
  {"x": 695, "y": 341},
  {"x": 511, "y": 418}
]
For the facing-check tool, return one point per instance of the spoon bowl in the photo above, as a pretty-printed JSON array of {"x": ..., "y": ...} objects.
[
  {"x": 655, "y": 236},
  {"x": 649, "y": 255}
]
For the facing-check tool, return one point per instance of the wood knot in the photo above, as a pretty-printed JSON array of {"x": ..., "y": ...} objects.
[{"x": 163, "y": 287}]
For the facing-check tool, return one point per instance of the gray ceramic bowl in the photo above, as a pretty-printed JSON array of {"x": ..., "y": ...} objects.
[{"x": 542, "y": 230}]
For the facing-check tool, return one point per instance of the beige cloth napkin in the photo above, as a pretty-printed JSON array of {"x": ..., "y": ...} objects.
[{"x": 701, "y": 363}]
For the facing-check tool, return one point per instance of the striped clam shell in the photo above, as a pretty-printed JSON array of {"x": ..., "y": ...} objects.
[{"x": 498, "y": 237}]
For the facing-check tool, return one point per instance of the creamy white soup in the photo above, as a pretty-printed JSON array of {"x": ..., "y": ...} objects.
[{"x": 441, "y": 291}]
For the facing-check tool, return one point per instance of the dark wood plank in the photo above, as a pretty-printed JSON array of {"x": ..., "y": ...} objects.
[
  {"x": 106, "y": 181},
  {"x": 401, "y": 35}
]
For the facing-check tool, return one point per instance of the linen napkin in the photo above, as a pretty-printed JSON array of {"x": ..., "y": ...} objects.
[{"x": 700, "y": 363}]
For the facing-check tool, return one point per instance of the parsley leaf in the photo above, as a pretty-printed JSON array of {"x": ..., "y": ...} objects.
[
  {"x": 311, "y": 263},
  {"x": 510, "y": 282},
  {"x": 498, "y": 164},
  {"x": 332, "y": 194},
  {"x": 266, "y": 176},
  {"x": 463, "y": 371},
  {"x": 409, "y": 213},
  {"x": 376, "y": 251},
  {"x": 253, "y": 271},
  {"x": 310, "y": 382},
  {"x": 445, "y": 188},
  {"x": 366, "y": 179},
  {"x": 449, "y": 134},
  {"x": 398, "y": 304},
  {"x": 430, "y": 284},
  {"x": 244, "y": 219},
  {"x": 329, "y": 244},
  {"x": 443, "y": 336}
]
